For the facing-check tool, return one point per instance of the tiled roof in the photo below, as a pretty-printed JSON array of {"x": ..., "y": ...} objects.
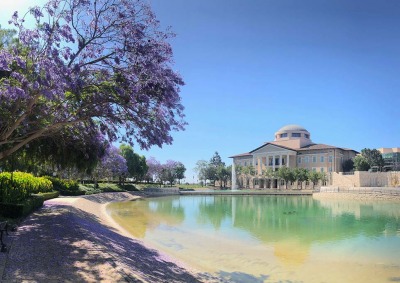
[
  {"x": 313, "y": 146},
  {"x": 321, "y": 146},
  {"x": 275, "y": 144},
  {"x": 241, "y": 155}
]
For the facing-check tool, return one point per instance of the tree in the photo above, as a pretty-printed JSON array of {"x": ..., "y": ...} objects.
[
  {"x": 113, "y": 164},
  {"x": 201, "y": 167},
  {"x": 210, "y": 173},
  {"x": 171, "y": 171},
  {"x": 223, "y": 174},
  {"x": 103, "y": 63},
  {"x": 216, "y": 160},
  {"x": 137, "y": 167},
  {"x": 154, "y": 169},
  {"x": 286, "y": 174},
  {"x": 361, "y": 163},
  {"x": 74, "y": 149},
  {"x": 373, "y": 157},
  {"x": 301, "y": 175},
  {"x": 247, "y": 171},
  {"x": 348, "y": 165},
  {"x": 270, "y": 175},
  {"x": 315, "y": 177}
]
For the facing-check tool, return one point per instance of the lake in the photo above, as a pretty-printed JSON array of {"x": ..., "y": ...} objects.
[{"x": 271, "y": 238}]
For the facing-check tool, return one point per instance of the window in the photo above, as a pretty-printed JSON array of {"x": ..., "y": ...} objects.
[
  {"x": 299, "y": 160},
  {"x": 296, "y": 135},
  {"x": 307, "y": 136},
  {"x": 330, "y": 158},
  {"x": 330, "y": 169},
  {"x": 257, "y": 162},
  {"x": 277, "y": 161},
  {"x": 314, "y": 169},
  {"x": 314, "y": 159},
  {"x": 284, "y": 135},
  {"x": 322, "y": 169},
  {"x": 306, "y": 159},
  {"x": 322, "y": 159},
  {"x": 256, "y": 182},
  {"x": 245, "y": 163}
]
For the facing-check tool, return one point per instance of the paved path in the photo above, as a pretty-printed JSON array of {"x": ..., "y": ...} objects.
[{"x": 60, "y": 243}]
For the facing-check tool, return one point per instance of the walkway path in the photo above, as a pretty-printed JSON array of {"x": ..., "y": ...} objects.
[{"x": 61, "y": 243}]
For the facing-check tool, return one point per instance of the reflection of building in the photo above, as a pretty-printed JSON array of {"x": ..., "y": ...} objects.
[
  {"x": 391, "y": 156},
  {"x": 293, "y": 148}
]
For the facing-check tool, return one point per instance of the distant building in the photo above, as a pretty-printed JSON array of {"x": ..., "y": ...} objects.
[
  {"x": 391, "y": 156},
  {"x": 292, "y": 147}
]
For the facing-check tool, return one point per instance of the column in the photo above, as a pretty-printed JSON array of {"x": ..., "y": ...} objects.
[
  {"x": 273, "y": 162},
  {"x": 287, "y": 160},
  {"x": 280, "y": 160}
]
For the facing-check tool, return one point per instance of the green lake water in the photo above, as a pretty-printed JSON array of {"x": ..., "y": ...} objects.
[{"x": 271, "y": 238}]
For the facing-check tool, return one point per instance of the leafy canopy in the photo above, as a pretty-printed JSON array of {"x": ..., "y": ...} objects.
[{"x": 103, "y": 64}]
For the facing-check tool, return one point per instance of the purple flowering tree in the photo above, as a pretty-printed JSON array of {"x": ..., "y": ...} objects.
[
  {"x": 98, "y": 63},
  {"x": 113, "y": 164},
  {"x": 154, "y": 170}
]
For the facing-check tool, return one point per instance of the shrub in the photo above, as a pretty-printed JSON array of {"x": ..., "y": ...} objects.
[
  {"x": 16, "y": 187},
  {"x": 49, "y": 195},
  {"x": 65, "y": 187},
  {"x": 21, "y": 209}
]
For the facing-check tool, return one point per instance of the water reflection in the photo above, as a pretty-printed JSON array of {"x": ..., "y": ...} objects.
[
  {"x": 303, "y": 219},
  {"x": 268, "y": 233},
  {"x": 138, "y": 216}
]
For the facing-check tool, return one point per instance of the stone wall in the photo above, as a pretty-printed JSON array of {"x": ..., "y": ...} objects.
[
  {"x": 161, "y": 191},
  {"x": 366, "y": 179}
]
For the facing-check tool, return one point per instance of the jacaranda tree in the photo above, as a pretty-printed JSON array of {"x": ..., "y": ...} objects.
[
  {"x": 98, "y": 63},
  {"x": 112, "y": 165}
]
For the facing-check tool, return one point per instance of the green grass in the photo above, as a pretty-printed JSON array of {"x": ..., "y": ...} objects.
[{"x": 90, "y": 189}]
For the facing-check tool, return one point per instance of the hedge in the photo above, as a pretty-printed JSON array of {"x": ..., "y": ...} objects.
[
  {"x": 65, "y": 187},
  {"x": 24, "y": 208},
  {"x": 15, "y": 187}
]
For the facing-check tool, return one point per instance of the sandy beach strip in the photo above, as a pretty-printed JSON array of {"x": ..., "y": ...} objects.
[
  {"x": 357, "y": 196},
  {"x": 73, "y": 239}
]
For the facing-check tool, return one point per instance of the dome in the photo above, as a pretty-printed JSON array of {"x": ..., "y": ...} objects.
[{"x": 292, "y": 127}]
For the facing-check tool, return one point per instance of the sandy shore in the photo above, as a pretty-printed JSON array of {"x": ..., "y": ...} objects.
[
  {"x": 73, "y": 239},
  {"x": 356, "y": 196}
]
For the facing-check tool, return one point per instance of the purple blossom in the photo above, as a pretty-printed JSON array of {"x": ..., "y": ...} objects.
[
  {"x": 113, "y": 164},
  {"x": 111, "y": 68}
]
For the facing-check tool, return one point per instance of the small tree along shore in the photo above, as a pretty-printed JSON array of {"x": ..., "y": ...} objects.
[{"x": 292, "y": 177}]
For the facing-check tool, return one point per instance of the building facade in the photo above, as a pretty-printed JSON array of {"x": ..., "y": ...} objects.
[
  {"x": 293, "y": 147},
  {"x": 391, "y": 156}
]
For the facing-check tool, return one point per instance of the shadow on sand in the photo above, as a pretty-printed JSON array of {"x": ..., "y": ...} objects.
[{"x": 63, "y": 244}]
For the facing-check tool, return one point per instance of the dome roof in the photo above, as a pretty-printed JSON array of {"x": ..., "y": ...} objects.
[{"x": 292, "y": 127}]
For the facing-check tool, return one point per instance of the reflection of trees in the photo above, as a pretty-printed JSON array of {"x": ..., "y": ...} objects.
[
  {"x": 138, "y": 216},
  {"x": 214, "y": 210},
  {"x": 291, "y": 224}
]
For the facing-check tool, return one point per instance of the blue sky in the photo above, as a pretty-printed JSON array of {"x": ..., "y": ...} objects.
[{"x": 251, "y": 67}]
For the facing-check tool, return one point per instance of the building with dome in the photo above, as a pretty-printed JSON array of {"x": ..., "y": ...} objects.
[{"x": 293, "y": 147}]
